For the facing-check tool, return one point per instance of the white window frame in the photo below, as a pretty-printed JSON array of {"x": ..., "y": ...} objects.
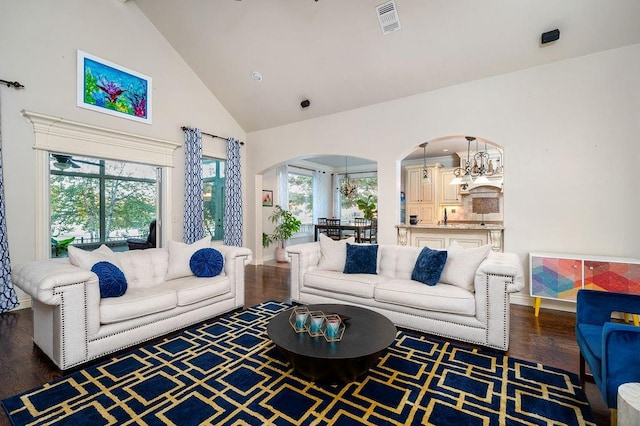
[{"x": 54, "y": 134}]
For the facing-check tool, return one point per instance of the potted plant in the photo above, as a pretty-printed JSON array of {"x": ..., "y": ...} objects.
[
  {"x": 286, "y": 226},
  {"x": 368, "y": 207}
]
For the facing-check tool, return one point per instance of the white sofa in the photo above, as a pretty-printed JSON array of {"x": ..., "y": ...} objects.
[
  {"x": 475, "y": 310},
  {"x": 73, "y": 324}
]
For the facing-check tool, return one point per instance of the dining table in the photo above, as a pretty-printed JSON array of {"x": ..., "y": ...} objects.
[{"x": 359, "y": 229}]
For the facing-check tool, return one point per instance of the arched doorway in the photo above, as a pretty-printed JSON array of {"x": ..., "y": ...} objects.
[{"x": 453, "y": 181}]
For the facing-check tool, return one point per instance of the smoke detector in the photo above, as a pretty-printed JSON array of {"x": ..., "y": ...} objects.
[{"x": 388, "y": 17}]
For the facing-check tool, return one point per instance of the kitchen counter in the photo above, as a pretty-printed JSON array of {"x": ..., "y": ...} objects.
[
  {"x": 452, "y": 226},
  {"x": 440, "y": 236}
]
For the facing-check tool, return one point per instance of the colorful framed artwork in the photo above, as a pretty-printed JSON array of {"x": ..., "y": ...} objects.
[
  {"x": 267, "y": 198},
  {"x": 112, "y": 89}
]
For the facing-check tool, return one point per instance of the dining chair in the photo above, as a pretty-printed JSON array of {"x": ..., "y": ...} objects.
[
  {"x": 371, "y": 235},
  {"x": 359, "y": 221},
  {"x": 322, "y": 221},
  {"x": 333, "y": 229}
]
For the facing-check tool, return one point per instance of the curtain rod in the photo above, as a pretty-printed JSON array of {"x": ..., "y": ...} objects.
[
  {"x": 306, "y": 168},
  {"x": 356, "y": 173},
  {"x": 210, "y": 135},
  {"x": 15, "y": 84}
]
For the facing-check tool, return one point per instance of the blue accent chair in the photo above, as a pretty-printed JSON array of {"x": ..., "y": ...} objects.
[{"x": 610, "y": 349}]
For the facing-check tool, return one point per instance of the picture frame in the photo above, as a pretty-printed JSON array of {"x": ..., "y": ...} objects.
[
  {"x": 267, "y": 198},
  {"x": 109, "y": 88}
]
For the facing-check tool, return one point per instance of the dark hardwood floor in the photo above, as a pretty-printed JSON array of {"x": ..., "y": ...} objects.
[{"x": 548, "y": 339}]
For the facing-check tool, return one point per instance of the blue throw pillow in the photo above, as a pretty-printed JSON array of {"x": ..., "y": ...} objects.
[
  {"x": 429, "y": 266},
  {"x": 111, "y": 279},
  {"x": 206, "y": 262},
  {"x": 361, "y": 259}
]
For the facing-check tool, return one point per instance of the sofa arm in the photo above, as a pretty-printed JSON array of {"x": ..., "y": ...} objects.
[
  {"x": 506, "y": 265},
  {"x": 44, "y": 280},
  {"x": 620, "y": 363},
  {"x": 66, "y": 307},
  {"x": 231, "y": 253},
  {"x": 497, "y": 276},
  {"x": 235, "y": 259},
  {"x": 304, "y": 257}
]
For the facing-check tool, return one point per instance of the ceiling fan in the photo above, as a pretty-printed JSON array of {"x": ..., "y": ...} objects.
[{"x": 63, "y": 162}]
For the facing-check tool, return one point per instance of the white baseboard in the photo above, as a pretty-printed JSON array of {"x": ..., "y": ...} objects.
[
  {"x": 24, "y": 302},
  {"x": 526, "y": 300}
]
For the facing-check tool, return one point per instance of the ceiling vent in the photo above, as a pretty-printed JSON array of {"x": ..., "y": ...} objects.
[{"x": 388, "y": 17}]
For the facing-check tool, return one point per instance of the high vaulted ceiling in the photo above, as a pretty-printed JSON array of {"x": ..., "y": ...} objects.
[{"x": 333, "y": 52}]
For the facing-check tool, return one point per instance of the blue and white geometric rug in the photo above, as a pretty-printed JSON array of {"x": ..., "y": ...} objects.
[{"x": 227, "y": 372}]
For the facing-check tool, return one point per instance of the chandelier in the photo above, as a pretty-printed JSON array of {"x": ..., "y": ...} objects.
[
  {"x": 478, "y": 171},
  {"x": 347, "y": 187},
  {"x": 425, "y": 170}
]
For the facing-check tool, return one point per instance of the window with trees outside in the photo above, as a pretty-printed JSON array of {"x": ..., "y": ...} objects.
[
  {"x": 213, "y": 182},
  {"x": 95, "y": 201},
  {"x": 301, "y": 197},
  {"x": 365, "y": 186}
]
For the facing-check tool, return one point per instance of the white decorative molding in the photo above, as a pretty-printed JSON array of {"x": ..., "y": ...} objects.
[{"x": 69, "y": 137}]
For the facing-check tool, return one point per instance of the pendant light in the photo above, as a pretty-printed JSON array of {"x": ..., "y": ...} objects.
[
  {"x": 425, "y": 171},
  {"x": 347, "y": 188}
]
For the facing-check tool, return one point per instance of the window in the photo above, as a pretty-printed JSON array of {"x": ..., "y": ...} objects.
[
  {"x": 301, "y": 196},
  {"x": 213, "y": 182},
  {"x": 95, "y": 201},
  {"x": 365, "y": 186}
]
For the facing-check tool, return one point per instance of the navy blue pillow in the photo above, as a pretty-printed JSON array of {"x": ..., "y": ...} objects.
[
  {"x": 206, "y": 262},
  {"x": 111, "y": 279},
  {"x": 429, "y": 266},
  {"x": 361, "y": 259}
]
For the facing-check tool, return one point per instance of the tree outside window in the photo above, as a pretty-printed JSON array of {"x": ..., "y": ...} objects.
[
  {"x": 95, "y": 201},
  {"x": 365, "y": 186},
  {"x": 301, "y": 197}
]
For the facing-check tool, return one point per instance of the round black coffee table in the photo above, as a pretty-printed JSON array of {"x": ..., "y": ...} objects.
[{"x": 366, "y": 337}]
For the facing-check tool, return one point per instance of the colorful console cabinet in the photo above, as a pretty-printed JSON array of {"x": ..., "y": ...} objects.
[{"x": 559, "y": 276}]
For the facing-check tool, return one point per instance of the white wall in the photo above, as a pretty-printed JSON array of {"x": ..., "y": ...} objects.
[
  {"x": 39, "y": 43},
  {"x": 569, "y": 131}
]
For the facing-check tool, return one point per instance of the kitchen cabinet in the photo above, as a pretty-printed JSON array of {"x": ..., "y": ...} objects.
[
  {"x": 559, "y": 276},
  {"x": 421, "y": 196},
  {"x": 448, "y": 194}
]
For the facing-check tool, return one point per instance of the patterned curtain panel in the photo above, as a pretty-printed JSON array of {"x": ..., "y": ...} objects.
[
  {"x": 8, "y": 297},
  {"x": 193, "y": 204},
  {"x": 282, "y": 175},
  {"x": 233, "y": 196}
]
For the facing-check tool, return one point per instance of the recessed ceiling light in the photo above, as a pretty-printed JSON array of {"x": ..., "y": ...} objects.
[
  {"x": 256, "y": 76},
  {"x": 445, "y": 150}
]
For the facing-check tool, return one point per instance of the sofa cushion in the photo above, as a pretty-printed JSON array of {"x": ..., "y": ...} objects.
[
  {"x": 360, "y": 285},
  {"x": 137, "y": 302},
  {"x": 206, "y": 262},
  {"x": 461, "y": 266},
  {"x": 111, "y": 280},
  {"x": 429, "y": 266},
  {"x": 438, "y": 298},
  {"x": 180, "y": 255},
  {"x": 333, "y": 254},
  {"x": 397, "y": 261},
  {"x": 144, "y": 268},
  {"x": 193, "y": 289},
  {"x": 86, "y": 259},
  {"x": 361, "y": 259}
]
